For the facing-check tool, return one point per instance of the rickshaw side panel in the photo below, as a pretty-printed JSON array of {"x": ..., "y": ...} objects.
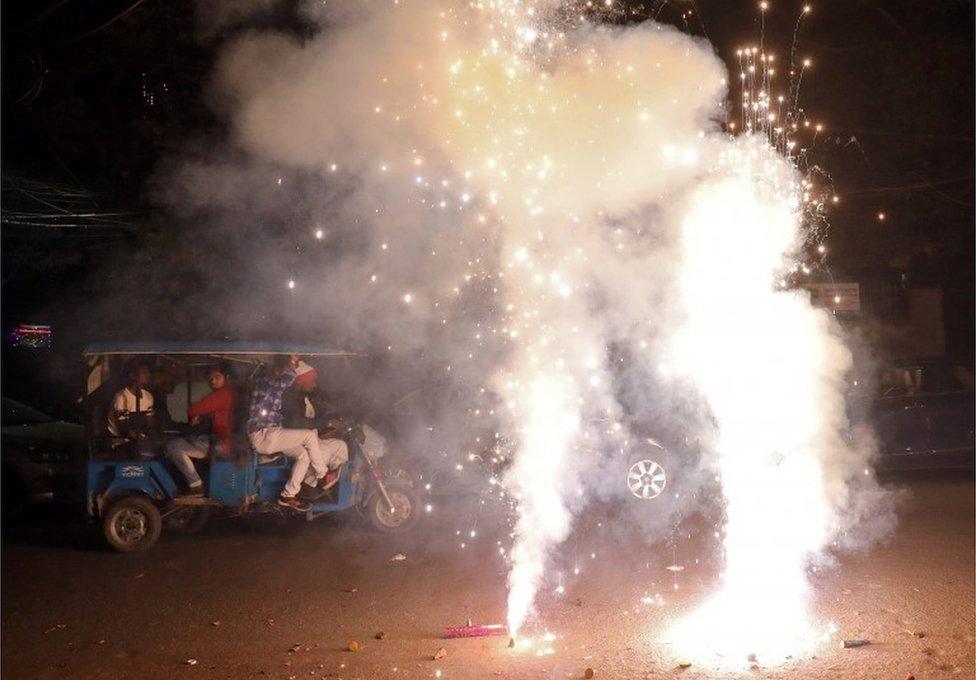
[
  {"x": 270, "y": 479},
  {"x": 230, "y": 482},
  {"x": 110, "y": 479},
  {"x": 349, "y": 480}
]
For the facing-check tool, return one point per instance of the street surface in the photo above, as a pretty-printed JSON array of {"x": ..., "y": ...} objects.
[{"x": 246, "y": 601}]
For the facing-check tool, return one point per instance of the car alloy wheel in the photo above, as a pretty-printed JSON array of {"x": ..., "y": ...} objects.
[{"x": 646, "y": 479}]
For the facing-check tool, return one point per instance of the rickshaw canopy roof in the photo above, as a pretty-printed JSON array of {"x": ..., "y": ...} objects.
[{"x": 242, "y": 349}]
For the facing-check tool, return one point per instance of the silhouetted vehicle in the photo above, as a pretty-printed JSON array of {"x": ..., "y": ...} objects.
[
  {"x": 42, "y": 457},
  {"x": 922, "y": 413}
]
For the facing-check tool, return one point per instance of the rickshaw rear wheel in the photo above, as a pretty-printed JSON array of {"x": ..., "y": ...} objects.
[
  {"x": 132, "y": 524},
  {"x": 402, "y": 517}
]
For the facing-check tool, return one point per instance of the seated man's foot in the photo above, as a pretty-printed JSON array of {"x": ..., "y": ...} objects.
[
  {"x": 292, "y": 503},
  {"x": 309, "y": 493},
  {"x": 330, "y": 479},
  {"x": 192, "y": 492}
]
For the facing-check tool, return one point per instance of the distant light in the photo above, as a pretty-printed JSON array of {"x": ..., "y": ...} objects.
[
  {"x": 408, "y": 298},
  {"x": 319, "y": 234},
  {"x": 291, "y": 283},
  {"x": 881, "y": 216}
]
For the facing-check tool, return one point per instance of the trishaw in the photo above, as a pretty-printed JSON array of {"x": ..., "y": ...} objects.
[{"x": 136, "y": 494}]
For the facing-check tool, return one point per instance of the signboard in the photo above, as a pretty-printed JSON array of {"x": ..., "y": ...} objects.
[
  {"x": 30, "y": 336},
  {"x": 839, "y": 297}
]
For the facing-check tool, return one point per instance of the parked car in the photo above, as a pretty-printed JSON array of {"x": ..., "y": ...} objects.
[
  {"x": 42, "y": 457},
  {"x": 922, "y": 413}
]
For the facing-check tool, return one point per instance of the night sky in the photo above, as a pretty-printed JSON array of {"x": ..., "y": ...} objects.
[{"x": 97, "y": 103}]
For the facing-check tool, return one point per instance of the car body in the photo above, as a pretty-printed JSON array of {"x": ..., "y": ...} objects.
[
  {"x": 132, "y": 495},
  {"x": 922, "y": 414},
  {"x": 42, "y": 457}
]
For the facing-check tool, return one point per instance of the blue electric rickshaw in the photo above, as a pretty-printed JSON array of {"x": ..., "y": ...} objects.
[{"x": 134, "y": 491}]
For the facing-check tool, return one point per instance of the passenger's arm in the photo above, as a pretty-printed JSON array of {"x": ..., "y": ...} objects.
[{"x": 215, "y": 401}]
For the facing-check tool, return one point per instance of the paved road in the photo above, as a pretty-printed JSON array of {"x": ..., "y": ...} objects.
[{"x": 247, "y": 601}]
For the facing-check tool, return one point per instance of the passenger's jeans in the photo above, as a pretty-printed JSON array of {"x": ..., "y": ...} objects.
[
  {"x": 301, "y": 445},
  {"x": 180, "y": 451}
]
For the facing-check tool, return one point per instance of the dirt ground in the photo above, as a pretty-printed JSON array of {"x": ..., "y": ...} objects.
[{"x": 245, "y": 601}]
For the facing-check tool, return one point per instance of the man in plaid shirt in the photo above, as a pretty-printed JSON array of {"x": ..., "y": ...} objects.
[{"x": 266, "y": 434}]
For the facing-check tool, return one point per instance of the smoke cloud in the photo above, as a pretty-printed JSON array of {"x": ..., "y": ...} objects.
[{"x": 543, "y": 214}]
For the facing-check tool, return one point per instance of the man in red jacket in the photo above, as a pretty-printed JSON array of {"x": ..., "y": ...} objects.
[{"x": 219, "y": 405}]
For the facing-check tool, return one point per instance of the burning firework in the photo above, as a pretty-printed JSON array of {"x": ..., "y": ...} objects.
[{"x": 544, "y": 187}]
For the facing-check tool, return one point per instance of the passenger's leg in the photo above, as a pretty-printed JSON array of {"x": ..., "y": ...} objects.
[
  {"x": 181, "y": 451},
  {"x": 299, "y": 470},
  {"x": 335, "y": 452},
  {"x": 302, "y": 445}
]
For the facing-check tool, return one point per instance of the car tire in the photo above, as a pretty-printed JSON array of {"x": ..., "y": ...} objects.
[
  {"x": 132, "y": 524},
  {"x": 407, "y": 503}
]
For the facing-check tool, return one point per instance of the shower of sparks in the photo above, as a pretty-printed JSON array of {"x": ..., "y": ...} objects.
[{"x": 538, "y": 127}]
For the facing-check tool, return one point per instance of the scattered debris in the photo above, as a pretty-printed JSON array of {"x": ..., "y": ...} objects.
[
  {"x": 675, "y": 567},
  {"x": 910, "y": 676},
  {"x": 578, "y": 602},
  {"x": 440, "y": 654},
  {"x": 101, "y": 642},
  {"x": 191, "y": 662},
  {"x": 269, "y": 623},
  {"x": 138, "y": 576},
  {"x": 354, "y": 590},
  {"x": 399, "y": 557},
  {"x": 380, "y": 635},
  {"x": 353, "y": 646},
  {"x": 511, "y": 642},
  {"x": 215, "y": 624},
  {"x": 58, "y": 626},
  {"x": 848, "y": 644},
  {"x": 917, "y": 634},
  {"x": 295, "y": 648},
  {"x": 845, "y": 591},
  {"x": 588, "y": 673},
  {"x": 751, "y": 657},
  {"x": 684, "y": 664}
]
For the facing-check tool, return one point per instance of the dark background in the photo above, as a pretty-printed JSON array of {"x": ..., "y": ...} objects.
[{"x": 98, "y": 96}]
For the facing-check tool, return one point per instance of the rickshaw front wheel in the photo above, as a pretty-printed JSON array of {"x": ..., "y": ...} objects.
[
  {"x": 402, "y": 516},
  {"x": 132, "y": 524}
]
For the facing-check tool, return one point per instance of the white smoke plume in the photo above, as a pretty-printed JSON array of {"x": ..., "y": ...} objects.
[{"x": 517, "y": 191}]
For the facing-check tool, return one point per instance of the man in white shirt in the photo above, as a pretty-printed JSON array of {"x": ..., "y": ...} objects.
[{"x": 130, "y": 415}]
